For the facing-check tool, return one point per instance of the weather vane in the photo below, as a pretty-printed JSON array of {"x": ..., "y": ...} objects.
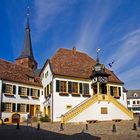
[{"x": 97, "y": 51}]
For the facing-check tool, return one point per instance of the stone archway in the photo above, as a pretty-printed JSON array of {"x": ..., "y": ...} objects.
[{"x": 16, "y": 118}]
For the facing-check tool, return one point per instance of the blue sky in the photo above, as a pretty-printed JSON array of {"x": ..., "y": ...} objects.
[{"x": 111, "y": 25}]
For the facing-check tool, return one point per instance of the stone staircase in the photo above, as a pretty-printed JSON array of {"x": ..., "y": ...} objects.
[{"x": 78, "y": 109}]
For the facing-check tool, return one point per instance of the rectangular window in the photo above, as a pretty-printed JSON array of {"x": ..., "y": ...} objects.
[
  {"x": 104, "y": 110},
  {"x": 128, "y": 102},
  {"x": 37, "y": 108},
  {"x": 115, "y": 92},
  {"x": 86, "y": 88},
  {"x": 34, "y": 92},
  {"x": 63, "y": 86},
  {"x": 138, "y": 102},
  {"x": 7, "y": 107},
  {"x": 75, "y": 87},
  {"x": 8, "y": 89},
  {"x": 21, "y": 108},
  {"x": 134, "y": 102},
  {"x": 22, "y": 91}
]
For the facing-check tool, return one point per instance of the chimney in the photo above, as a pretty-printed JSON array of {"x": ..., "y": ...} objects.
[{"x": 74, "y": 50}]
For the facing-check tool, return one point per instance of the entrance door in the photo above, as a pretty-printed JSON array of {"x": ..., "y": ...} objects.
[
  {"x": 103, "y": 88},
  {"x": 32, "y": 110},
  {"x": 15, "y": 118}
]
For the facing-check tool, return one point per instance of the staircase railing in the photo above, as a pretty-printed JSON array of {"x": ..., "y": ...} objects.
[
  {"x": 122, "y": 107},
  {"x": 78, "y": 109}
]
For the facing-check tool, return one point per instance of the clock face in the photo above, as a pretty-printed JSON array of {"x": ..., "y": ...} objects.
[
  {"x": 103, "y": 79},
  {"x": 94, "y": 80}
]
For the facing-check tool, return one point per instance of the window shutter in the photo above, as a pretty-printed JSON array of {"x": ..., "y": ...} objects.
[
  {"x": 3, "y": 88},
  {"x": 2, "y": 107},
  {"x": 87, "y": 88},
  {"x": 13, "y": 107},
  {"x": 112, "y": 90},
  {"x": 57, "y": 85},
  {"x": 45, "y": 92},
  {"x": 18, "y": 107},
  {"x": 119, "y": 91},
  {"x": 28, "y": 91},
  {"x": 81, "y": 88},
  {"x": 27, "y": 108},
  {"x": 70, "y": 87},
  {"x": 31, "y": 92},
  {"x": 14, "y": 89},
  {"x": 38, "y": 93},
  {"x": 19, "y": 90}
]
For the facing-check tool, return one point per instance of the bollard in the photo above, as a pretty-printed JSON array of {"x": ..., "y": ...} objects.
[
  {"x": 17, "y": 126},
  {"x": 38, "y": 126},
  {"x": 86, "y": 126},
  {"x": 134, "y": 127},
  {"x": 114, "y": 128},
  {"x": 61, "y": 127},
  {"x": 139, "y": 122}
]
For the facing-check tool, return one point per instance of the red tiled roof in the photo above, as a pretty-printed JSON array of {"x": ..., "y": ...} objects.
[
  {"x": 16, "y": 73},
  {"x": 65, "y": 62}
]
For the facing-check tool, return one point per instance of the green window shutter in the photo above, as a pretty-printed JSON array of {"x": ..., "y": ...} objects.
[
  {"x": 19, "y": 90},
  {"x": 38, "y": 93},
  {"x": 119, "y": 91},
  {"x": 57, "y": 85},
  {"x": 31, "y": 92},
  {"x": 18, "y": 107},
  {"x": 28, "y": 91},
  {"x": 3, "y": 88},
  {"x": 87, "y": 86},
  {"x": 2, "y": 107},
  {"x": 81, "y": 88},
  {"x": 112, "y": 90},
  {"x": 69, "y": 87},
  {"x": 13, "y": 107},
  {"x": 27, "y": 108},
  {"x": 14, "y": 89}
]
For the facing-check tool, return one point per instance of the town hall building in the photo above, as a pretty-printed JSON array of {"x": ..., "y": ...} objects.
[{"x": 71, "y": 87}]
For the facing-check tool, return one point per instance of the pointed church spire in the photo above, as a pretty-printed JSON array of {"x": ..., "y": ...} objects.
[
  {"x": 27, "y": 51},
  {"x": 27, "y": 48}
]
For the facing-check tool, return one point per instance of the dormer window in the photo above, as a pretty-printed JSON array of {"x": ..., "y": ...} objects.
[
  {"x": 135, "y": 95},
  {"x": 31, "y": 79}
]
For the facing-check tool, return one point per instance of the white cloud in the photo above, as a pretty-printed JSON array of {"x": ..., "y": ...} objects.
[
  {"x": 129, "y": 49},
  {"x": 47, "y": 11},
  {"x": 92, "y": 25},
  {"x": 131, "y": 78}
]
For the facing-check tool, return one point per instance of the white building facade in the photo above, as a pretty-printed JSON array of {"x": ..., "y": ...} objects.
[
  {"x": 76, "y": 99},
  {"x": 133, "y": 100}
]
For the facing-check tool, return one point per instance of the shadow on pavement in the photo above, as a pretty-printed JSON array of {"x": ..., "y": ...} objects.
[{"x": 8, "y": 132}]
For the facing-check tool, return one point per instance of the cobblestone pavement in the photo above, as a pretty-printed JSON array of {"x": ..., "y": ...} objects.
[{"x": 51, "y": 131}]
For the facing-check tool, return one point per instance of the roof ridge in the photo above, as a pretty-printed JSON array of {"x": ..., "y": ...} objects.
[{"x": 15, "y": 64}]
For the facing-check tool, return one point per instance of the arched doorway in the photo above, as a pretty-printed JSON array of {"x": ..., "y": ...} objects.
[{"x": 16, "y": 118}]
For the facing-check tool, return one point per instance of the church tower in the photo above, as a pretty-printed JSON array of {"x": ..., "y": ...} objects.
[{"x": 26, "y": 58}]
